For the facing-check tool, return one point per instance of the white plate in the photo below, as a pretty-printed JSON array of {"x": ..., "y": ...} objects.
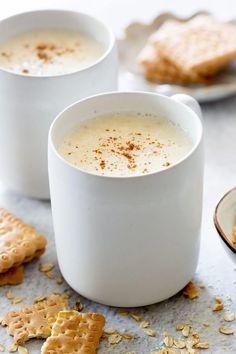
[{"x": 131, "y": 77}]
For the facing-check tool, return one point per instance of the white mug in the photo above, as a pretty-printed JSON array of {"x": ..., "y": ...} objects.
[
  {"x": 128, "y": 241},
  {"x": 28, "y": 104}
]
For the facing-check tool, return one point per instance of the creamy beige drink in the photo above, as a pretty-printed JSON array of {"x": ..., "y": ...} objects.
[
  {"x": 125, "y": 144},
  {"x": 49, "y": 52}
]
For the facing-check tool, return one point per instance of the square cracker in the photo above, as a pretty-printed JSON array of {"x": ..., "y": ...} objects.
[
  {"x": 13, "y": 276},
  {"x": 202, "y": 45},
  {"x": 157, "y": 68},
  {"x": 19, "y": 242},
  {"x": 35, "y": 321},
  {"x": 75, "y": 332}
]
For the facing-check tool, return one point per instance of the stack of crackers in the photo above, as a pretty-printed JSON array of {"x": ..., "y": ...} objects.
[
  {"x": 19, "y": 243},
  {"x": 191, "y": 52},
  {"x": 66, "y": 331}
]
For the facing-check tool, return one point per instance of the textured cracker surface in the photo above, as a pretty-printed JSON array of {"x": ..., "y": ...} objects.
[
  {"x": 201, "y": 45},
  {"x": 19, "y": 243},
  {"x": 13, "y": 276},
  {"x": 35, "y": 321},
  {"x": 75, "y": 332}
]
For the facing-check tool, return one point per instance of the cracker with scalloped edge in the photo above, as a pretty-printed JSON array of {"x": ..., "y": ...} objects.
[
  {"x": 13, "y": 276},
  {"x": 35, "y": 321},
  {"x": 19, "y": 242},
  {"x": 75, "y": 332},
  {"x": 202, "y": 45}
]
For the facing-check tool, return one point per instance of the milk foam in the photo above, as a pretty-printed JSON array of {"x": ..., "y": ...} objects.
[
  {"x": 49, "y": 52},
  {"x": 124, "y": 144}
]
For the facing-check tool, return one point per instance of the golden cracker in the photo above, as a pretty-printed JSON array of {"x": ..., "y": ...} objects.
[
  {"x": 75, "y": 332},
  {"x": 35, "y": 321},
  {"x": 19, "y": 242},
  {"x": 202, "y": 45},
  {"x": 13, "y": 276}
]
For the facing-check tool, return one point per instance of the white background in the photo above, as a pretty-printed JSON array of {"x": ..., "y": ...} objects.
[{"x": 118, "y": 13}]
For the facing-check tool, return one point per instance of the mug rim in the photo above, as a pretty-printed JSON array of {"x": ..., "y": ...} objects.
[
  {"x": 142, "y": 93},
  {"x": 109, "y": 48}
]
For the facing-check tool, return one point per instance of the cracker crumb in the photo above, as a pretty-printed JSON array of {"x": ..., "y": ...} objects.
[
  {"x": 218, "y": 307},
  {"x": 206, "y": 324},
  {"x": 144, "y": 324},
  {"x": 22, "y": 350},
  {"x": 78, "y": 306},
  {"x": 191, "y": 291},
  {"x": 218, "y": 299},
  {"x": 12, "y": 348},
  {"x": 114, "y": 339},
  {"x": 136, "y": 317},
  {"x": 150, "y": 332},
  {"x": 226, "y": 330},
  {"x": 50, "y": 274},
  {"x": 229, "y": 316},
  {"x": 46, "y": 267},
  {"x": 39, "y": 299},
  {"x": 179, "y": 343},
  {"x": 169, "y": 341},
  {"x": 123, "y": 312},
  {"x": 60, "y": 280},
  {"x": 179, "y": 326},
  {"x": 110, "y": 331},
  {"x": 201, "y": 345},
  {"x": 186, "y": 330},
  {"x": 16, "y": 300},
  {"x": 128, "y": 336}
]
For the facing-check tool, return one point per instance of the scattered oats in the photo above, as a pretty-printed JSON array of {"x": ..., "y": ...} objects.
[
  {"x": 191, "y": 291},
  {"x": 149, "y": 332},
  {"x": 186, "y": 330},
  {"x": 226, "y": 330},
  {"x": 2, "y": 348},
  {"x": 179, "y": 343},
  {"x": 136, "y": 317},
  {"x": 201, "y": 345},
  {"x": 12, "y": 348},
  {"x": 78, "y": 306},
  {"x": 39, "y": 298},
  {"x": 131, "y": 353},
  {"x": 206, "y": 324},
  {"x": 50, "y": 274},
  {"x": 202, "y": 286},
  {"x": 128, "y": 336},
  {"x": 10, "y": 295},
  {"x": 110, "y": 331},
  {"x": 165, "y": 333},
  {"x": 123, "y": 312},
  {"x": 114, "y": 339},
  {"x": 144, "y": 324},
  {"x": 218, "y": 307},
  {"x": 169, "y": 341},
  {"x": 218, "y": 299},
  {"x": 229, "y": 316},
  {"x": 46, "y": 267},
  {"x": 179, "y": 326},
  {"x": 60, "y": 280},
  {"x": 16, "y": 300},
  {"x": 22, "y": 350},
  {"x": 192, "y": 340}
]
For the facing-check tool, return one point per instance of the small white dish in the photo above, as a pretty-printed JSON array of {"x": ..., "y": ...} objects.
[
  {"x": 131, "y": 77},
  {"x": 225, "y": 219}
]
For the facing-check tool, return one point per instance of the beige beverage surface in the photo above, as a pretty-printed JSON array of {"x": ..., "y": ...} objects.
[
  {"x": 125, "y": 144},
  {"x": 49, "y": 52}
]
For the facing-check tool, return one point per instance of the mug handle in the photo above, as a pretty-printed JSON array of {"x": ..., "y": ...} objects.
[{"x": 188, "y": 101}]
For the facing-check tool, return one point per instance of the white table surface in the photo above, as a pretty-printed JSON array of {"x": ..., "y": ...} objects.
[{"x": 215, "y": 269}]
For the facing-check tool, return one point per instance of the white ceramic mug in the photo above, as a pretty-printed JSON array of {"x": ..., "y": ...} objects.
[
  {"x": 28, "y": 104},
  {"x": 128, "y": 241}
]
